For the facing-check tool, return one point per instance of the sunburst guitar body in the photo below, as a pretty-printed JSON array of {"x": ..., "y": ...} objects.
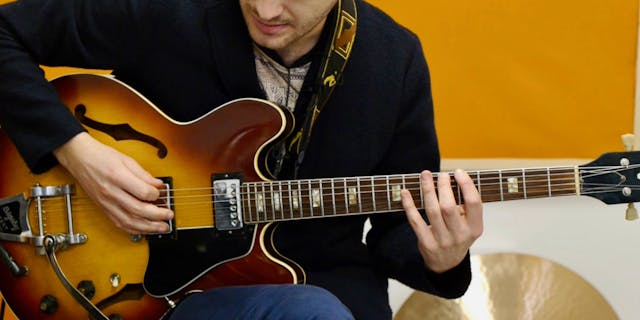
[{"x": 108, "y": 265}]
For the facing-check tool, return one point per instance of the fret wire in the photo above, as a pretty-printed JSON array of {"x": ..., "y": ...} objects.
[
  {"x": 273, "y": 207},
  {"x": 549, "y": 181},
  {"x": 254, "y": 209},
  {"x": 333, "y": 197},
  {"x": 479, "y": 184},
  {"x": 421, "y": 192},
  {"x": 524, "y": 184},
  {"x": 321, "y": 198},
  {"x": 290, "y": 199},
  {"x": 300, "y": 198},
  {"x": 404, "y": 186},
  {"x": 500, "y": 181},
  {"x": 310, "y": 199},
  {"x": 373, "y": 193},
  {"x": 532, "y": 187},
  {"x": 359, "y": 193},
  {"x": 268, "y": 201},
  {"x": 246, "y": 200},
  {"x": 458, "y": 189},
  {"x": 388, "y": 193},
  {"x": 249, "y": 194},
  {"x": 269, "y": 193},
  {"x": 254, "y": 213},
  {"x": 346, "y": 196},
  {"x": 264, "y": 203},
  {"x": 276, "y": 199},
  {"x": 255, "y": 192},
  {"x": 259, "y": 205},
  {"x": 280, "y": 200}
]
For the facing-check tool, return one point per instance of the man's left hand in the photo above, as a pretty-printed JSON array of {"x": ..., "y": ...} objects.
[{"x": 452, "y": 228}]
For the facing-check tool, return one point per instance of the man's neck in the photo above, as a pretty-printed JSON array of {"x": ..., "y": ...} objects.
[{"x": 297, "y": 50}]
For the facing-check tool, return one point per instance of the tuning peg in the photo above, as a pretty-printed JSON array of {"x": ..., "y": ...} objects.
[
  {"x": 628, "y": 140},
  {"x": 632, "y": 213}
]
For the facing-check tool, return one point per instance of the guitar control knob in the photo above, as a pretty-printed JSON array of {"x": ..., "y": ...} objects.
[
  {"x": 87, "y": 288},
  {"x": 49, "y": 304}
]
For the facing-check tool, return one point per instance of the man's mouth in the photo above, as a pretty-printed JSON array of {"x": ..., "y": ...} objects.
[{"x": 269, "y": 28}]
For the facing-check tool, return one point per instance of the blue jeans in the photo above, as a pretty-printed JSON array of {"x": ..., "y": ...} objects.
[{"x": 271, "y": 302}]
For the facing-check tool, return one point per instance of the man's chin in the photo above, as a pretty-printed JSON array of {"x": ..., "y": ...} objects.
[
  {"x": 273, "y": 44},
  {"x": 268, "y": 41}
]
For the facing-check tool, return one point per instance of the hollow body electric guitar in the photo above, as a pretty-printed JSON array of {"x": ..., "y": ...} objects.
[{"x": 61, "y": 258}]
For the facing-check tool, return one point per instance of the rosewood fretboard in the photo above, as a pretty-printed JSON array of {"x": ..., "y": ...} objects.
[{"x": 315, "y": 198}]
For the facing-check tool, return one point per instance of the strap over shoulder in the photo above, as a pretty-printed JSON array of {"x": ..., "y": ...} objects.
[{"x": 334, "y": 60}]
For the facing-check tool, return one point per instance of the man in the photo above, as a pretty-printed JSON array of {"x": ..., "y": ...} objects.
[{"x": 190, "y": 56}]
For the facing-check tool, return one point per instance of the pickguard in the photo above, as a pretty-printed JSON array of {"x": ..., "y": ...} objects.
[{"x": 176, "y": 263}]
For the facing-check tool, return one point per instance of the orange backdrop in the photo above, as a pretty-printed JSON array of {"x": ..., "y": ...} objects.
[{"x": 533, "y": 79}]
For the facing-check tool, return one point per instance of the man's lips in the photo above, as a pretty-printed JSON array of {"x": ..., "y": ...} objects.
[{"x": 269, "y": 28}]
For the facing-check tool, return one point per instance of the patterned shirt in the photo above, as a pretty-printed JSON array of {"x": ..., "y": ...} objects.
[{"x": 280, "y": 84}]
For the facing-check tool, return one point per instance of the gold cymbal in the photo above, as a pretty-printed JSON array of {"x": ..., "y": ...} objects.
[{"x": 508, "y": 286}]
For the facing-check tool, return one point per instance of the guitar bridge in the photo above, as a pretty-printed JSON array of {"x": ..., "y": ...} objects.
[
  {"x": 226, "y": 200},
  {"x": 14, "y": 220}
]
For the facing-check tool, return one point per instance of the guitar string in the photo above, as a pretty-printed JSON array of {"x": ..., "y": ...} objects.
[
  {"x": 487, "y": 188},
  {"x": 200, "y": 215},
  {"x": 364, "y": 189},
  {"x": 368, "y": 197},
  {"x": 495, "y": 180},
  {"x": 370, "y": 190}
]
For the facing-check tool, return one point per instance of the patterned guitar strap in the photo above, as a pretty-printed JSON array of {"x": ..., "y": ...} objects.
[{"x": 334, "y": 60}]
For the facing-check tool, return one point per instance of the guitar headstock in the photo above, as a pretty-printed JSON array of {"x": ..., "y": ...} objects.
[{"x": 612, "y": 178}]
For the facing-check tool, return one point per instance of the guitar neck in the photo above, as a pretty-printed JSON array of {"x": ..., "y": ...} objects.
[{"x": 273, "y": 201}]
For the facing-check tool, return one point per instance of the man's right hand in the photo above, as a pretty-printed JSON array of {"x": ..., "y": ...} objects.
[{"x": 116, "y": 183}]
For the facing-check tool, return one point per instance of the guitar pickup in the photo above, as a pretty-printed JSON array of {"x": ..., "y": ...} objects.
[
  {"x": 227, "y": 204},
  {"x": 165, "y": 200}
]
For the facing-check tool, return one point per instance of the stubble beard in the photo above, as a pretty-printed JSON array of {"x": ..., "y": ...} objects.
[{"x": 296, "y": 41}]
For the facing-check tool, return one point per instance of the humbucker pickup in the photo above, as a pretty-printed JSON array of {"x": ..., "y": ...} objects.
[{"x": 226, "y": 199}]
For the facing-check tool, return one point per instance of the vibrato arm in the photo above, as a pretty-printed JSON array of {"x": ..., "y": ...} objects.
[{"x": 50, "y": 243}]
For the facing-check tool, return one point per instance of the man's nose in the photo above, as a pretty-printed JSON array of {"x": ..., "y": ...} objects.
[{"x": 269, "y": 9}]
